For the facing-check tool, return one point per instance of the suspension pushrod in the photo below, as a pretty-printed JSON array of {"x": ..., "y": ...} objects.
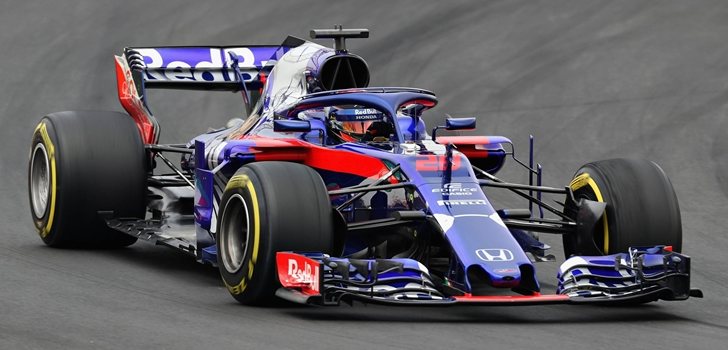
[{"x": 490, "y": 183}]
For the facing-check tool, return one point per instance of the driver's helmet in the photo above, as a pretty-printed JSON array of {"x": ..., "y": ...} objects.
[{"x": 358, "y": 124}]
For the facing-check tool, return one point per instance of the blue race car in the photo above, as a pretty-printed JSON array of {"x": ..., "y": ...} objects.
[{"x": 334, "y": 191}]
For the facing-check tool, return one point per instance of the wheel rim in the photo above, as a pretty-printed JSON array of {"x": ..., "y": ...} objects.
[
  {"x": 40, "y": 180},
  {"x": 234, "y": 234}
]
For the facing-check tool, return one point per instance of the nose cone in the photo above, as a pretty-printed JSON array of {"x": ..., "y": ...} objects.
[
  {"x": 502, "y": 277},
  {"x": 487, "y": 250}
]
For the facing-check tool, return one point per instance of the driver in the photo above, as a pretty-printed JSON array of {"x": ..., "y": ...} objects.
[{"x": 358, "y": 125}]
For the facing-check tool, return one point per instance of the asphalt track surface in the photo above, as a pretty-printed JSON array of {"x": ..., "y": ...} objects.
[{"x": 589, "y": 79}]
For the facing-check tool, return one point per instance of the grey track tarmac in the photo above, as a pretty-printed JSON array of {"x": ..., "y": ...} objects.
[{"x": 589, "y": 79}]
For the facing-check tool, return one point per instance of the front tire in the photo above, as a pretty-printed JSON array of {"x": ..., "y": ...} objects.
[
  {"x": 82, "y": 163},
  {"x": 269, "y": 207},
  {"x": 642, "y": 208}
]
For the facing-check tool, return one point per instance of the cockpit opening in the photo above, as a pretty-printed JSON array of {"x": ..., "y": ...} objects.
[{"x": 352, "y": 123}]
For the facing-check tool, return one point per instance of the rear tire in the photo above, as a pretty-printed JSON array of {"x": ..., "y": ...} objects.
[
  {"x": 82, "y": 163},
  {"x": 269, "y": 207},
  {"x": 642, "y": 208}
]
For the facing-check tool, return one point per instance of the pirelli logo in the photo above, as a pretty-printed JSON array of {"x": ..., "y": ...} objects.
[{"x": 454, "y": 203}]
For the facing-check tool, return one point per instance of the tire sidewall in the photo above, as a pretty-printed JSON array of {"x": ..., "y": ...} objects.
[{"x": 45, "y": 226}]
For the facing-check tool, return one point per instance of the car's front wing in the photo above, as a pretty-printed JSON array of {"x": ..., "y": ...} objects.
[{"x": 643, "y": 274}]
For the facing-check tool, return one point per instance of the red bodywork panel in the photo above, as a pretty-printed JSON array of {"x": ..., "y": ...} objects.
[
  {"x": 129, "y": 98},
  {"x": 294, "y": 150},
  {"x": 466, "y": 144}
]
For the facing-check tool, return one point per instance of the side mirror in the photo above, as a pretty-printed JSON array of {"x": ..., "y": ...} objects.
[
  {"x": 455, "y": 124},
  {"x": 460, "y": 123},
  {"x": 288, "y": 125}
]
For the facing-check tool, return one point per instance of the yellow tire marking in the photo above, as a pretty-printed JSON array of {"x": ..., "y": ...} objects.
[
  {"x": 243, "y": 181},
  {"x": 43, "y": 130},
  {"x": 582, "y": 180},
  {"x": 256, "y": 231}
]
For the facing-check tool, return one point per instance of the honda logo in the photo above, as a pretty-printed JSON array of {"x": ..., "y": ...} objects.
[{"x": 494, "y": 254}]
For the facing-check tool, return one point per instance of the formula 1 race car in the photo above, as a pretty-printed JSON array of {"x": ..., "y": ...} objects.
[{"x": 334, "y": 191}]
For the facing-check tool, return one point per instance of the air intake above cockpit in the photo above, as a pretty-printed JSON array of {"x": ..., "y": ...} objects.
[{"x": 342, "y": 70}]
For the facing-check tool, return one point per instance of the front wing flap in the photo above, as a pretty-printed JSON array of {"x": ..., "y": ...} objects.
[{"x": 641, "y": 274}]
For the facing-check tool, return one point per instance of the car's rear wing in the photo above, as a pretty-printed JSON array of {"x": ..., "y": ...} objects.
[
  {"x": 204, "y": 68},
  {"x": 226, "y": 68}
]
